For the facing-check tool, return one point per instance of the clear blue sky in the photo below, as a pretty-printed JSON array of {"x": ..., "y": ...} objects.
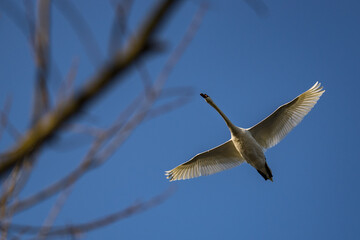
[{"x": 249, "y": 65}]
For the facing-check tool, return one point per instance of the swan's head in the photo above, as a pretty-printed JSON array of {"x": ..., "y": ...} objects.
[
  {"x": 207, "y": 98},
  {"x": 204, "y": 95}
]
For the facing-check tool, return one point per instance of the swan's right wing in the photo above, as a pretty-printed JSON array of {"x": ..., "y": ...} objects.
[
  {"x": 276, "y": 126},
  {"x": 212, "y": 161}
]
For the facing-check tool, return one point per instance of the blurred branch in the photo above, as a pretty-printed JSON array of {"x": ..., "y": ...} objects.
[
  {"x": 54, "y": 212},
  {"x": 156, "y": 90},
  {"x": 167, "y": 107},
  {"x": 66, "y": 88},
  {"x": 42, "y": 59},
  {"x": 81, "y": 28},
  {"x": 50, "y": 123},
  {"x": 5, "y": 124},
  {"x": 105, "y": 141},
  {"x": 95, "y": 224},
  {"x": 124, "y": 125},
  {"x": 8, "y": 189},
  {"x": 118, "y": 28},
  {"x": 259, "y": 7},
  {"x": 14, "y": 13}
]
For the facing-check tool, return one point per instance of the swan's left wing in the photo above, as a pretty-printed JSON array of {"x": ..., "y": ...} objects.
[
  {"x": 275, "y": 127},
  {"x": 212, "y": 161}
]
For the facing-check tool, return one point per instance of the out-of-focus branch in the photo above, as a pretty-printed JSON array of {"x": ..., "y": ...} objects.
[
  {"x": 84, "y": 166},
  {"x": 42, "y": 59},
  {"x": 14, "y": 13},
  {"x": 122, "y": 128},
  {"x": 176, "y": 103},
  {"x": 8, "y": 188},
  {"x": 5, "y": 123},
  {"x": 156, "y": 90},
  {"x": 118, "y": 28},
  {"x": 66, "y": 88},
  {"x": 54, "y": 212},
  {"x": 124, "y": 125},
  {"x": 50, "y": 123},
  {"x": 259, "y": 7},
  {"x": 81, "y": 28},
  {"x": 105, "y": 144},
  {"x": 95, "y": 224}
]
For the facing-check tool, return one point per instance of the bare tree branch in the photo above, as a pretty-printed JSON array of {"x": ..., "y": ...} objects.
[
  {"x": 95, "y": 224},
  {"x": 259, "y": 7},
  {"x": 42, "y": 59},
  {"x": 54, "y": 212},
  {"x": 105, "y": 141},
  {"x": 14, "y": 13},
  {"x": 50, "y": 123},
  {"x": 5, "y": 123},
  {"x": 126, "y": 126},
  {"x": 82, "y": 29},
  {"x": 119, "y": 29}
]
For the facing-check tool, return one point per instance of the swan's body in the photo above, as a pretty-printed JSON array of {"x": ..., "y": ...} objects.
[{"x": 249, "y": 144}]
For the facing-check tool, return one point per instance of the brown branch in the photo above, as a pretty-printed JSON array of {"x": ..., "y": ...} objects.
[{"x": 50, "y": 123}]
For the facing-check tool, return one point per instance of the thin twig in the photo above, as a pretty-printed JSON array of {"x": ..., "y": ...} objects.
[
  {"x": 165, "y": 108},
  {"x": 15, "y": 14},
  {"x": 119, "y": 27},
  {"x": 259, "y": 7},
  {"x": 5, "y": 123},
  {"x": 7, "y": 192},
  {"x": 97, "y": 223},
  {"x": 157, "y": 86},
  {"x": 42, "y": 59},
  {"x": 67, "y": 87},
  {"x": 84, "y": 166},
  {"x": 54, "y": 212},
  {"x": 82, "y": 30}
]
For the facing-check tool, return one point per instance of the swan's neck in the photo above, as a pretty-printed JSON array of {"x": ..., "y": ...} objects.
[{"x": 231, "y": 126}]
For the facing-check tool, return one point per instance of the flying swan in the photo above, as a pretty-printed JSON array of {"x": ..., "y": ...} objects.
[{"x": 249, "y": 144}]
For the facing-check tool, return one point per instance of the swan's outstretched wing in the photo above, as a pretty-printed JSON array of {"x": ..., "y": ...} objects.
[
  {"x": 212, "y": 161},
  {"x": 275, "y": 127}
]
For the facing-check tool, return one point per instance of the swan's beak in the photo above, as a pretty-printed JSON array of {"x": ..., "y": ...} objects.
[{"x": 271, "y": 179}]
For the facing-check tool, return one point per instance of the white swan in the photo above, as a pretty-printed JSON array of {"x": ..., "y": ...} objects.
[{"x": 249, "y": 144}]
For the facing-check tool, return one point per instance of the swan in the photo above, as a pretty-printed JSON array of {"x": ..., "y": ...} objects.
[{"x": 248, "y": 145}]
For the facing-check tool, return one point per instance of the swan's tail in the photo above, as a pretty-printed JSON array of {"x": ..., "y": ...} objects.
[{"x": 266, "y": 172}]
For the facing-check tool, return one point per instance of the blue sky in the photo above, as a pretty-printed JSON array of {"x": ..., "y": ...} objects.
[{"x": 249, "y": 65}]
